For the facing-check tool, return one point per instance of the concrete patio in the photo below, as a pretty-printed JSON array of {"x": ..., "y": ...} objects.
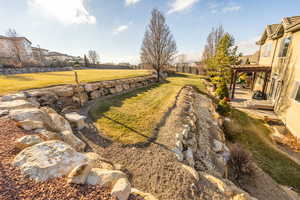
[{"x": 258, "y": 108}]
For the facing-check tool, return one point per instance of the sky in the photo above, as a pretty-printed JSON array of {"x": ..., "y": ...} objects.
[{"x": 115, "y": 28}]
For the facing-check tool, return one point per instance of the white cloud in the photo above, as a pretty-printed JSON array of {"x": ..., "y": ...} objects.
[
  {"x": 180, "y": 5},
  {"x": 120, "y": 29},
  {"x": 65, "y": 11},
  {"x": 221, "y": 7},
  {"x": 231, "y": 9},
  {"x": 248, "y": 47},
  {"x": 131, "y": 2}
]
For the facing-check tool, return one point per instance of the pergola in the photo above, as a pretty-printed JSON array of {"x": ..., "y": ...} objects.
[{"x": 236, "y": 69}]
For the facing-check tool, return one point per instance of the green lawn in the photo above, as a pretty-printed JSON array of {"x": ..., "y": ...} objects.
[
  {"x": 131, "y": 118},
  {"x": 254, "y": 136},
  {"x": 14, "y": 83}
]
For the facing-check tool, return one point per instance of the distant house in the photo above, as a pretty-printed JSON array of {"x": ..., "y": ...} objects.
[
  {"x": 250, "y": 59},
  {"x": 15, "y": 51},
  {"x": 40, "y": 55},
  {"x": 280, "y": 50}
]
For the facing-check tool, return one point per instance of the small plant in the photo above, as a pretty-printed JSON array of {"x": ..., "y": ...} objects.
[
  {"x": 223, "y": 107},
  {"x": 240, "y": 163},
  {"x": 222, "y": 90}
]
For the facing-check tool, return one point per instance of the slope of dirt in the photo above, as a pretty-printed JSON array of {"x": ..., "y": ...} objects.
[
  {"x": 13, "y": 186},
  {"x": 153, "y": 168}
]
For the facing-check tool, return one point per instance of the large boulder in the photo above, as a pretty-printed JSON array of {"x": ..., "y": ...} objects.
[
  {"x": 16, "y": 104},
  {"x": 103, "y": 177},
  {"x": 28, "y": 114},
  {"x": 29, "y": 125},
  {"x": 72, "y": 140},
  {"x": 121, "y": 189},
  {"x": 27, "y": 141},
  {"x": 3, "y": 113},
  {"x": 12, "y": 97},
  {"x": 91, "y": 87},
  {"x": 48, "y": 160},
  {"x": 79, "y": 174},
  {"x": 76, "y": 119},
  {"x": 47, "y": 135},
  {"x": 64, "y": 91},
  {"x": 59, "y": 124}
]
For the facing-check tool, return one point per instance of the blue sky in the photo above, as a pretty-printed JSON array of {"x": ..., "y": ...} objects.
[{"x": 115, "y": 28}]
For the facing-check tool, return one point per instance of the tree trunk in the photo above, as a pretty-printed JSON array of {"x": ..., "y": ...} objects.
[{"x": 158, "y": 75}]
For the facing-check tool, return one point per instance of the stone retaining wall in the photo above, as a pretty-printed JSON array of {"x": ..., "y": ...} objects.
[
  {"x": 27, "y": 70},
  {"x": 71, "y": 97}
]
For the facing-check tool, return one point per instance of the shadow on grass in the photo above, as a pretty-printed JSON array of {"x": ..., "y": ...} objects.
[{"x": 99, "y": 108}]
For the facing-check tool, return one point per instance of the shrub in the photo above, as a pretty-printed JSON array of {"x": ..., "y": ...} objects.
[
  {"x": 240, "y": 163},
  {"x": 222, "y": 90},
  {"x": 216, "y": 80},
  {"x": 223, "y": 107},
  {"x": 77, "y": 65}
]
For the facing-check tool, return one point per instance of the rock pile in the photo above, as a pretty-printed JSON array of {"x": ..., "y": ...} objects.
[
  {"x": 201, "y": 147},
  {"x": 53, "y": 150}
]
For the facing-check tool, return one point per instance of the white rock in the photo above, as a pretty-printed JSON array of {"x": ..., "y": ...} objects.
[
  {"x": 119, "y": 88},
  {"x": 179, "y": 136},
  {"x": 48, "y": 160},
  {"x": 103, "y": 177},
  {"x": 96, "y": 94},
  {"x": 64, "y": 91},
  {"x": 77, "y": 119},
  {"x": 72, "y": 140},
  {"x": 218, "y": 146},
  {"x": 12, "y": 97},
  {"x": 48, "y": 135},
  {"x": 178, "y": 154},
  {"x": 59, "y": 124},
  {"x": 192, "y": 171},
  {"x": 79, "y": 174},
  {"x": 29, "y": 114},
  {"x": 189, "y": 157},
  {"x": 179, "y": 145},
  {"x": 121, "y": 189},
  {"x": 91, "y": 87},
  {"x": 3, "y": 112},
  {"x": 27, "y": 141},
  {"x": 29, "y": 125},
  {"x": 185, "y": 133},
  {"x": 16, "y": 104},
  {"x": 146, "y": 196}
]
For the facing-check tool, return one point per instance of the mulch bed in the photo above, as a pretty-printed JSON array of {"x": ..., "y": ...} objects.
[{"x": 14, "y": 186}]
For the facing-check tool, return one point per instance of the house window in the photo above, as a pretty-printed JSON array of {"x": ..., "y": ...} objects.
[
  {"x": 267, "y": 50},
  {"x": 297, "y": 91},
  {"x": 285, "y": 47}
]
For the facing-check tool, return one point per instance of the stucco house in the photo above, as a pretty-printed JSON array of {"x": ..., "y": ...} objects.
[
  {"x": 15, "y": 51},
  {"x": 280, "y": 50},
  {"x": 39, "y": 54}
]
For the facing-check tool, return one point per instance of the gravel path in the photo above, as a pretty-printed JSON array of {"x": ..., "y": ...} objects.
[
  {"x": 152, "y": 168},
  {"x": 13, "y": 186}
]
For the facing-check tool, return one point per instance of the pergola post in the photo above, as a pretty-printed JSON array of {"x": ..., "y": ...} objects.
[
  {"x": 231, "y": 79},
  {"x": 234, "y": 83},
  {"x": 265, "y": 82},
  {"x": 253, "y": 80}
]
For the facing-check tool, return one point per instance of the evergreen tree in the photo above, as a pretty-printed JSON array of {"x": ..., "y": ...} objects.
[{"x": 226, "y": 55}]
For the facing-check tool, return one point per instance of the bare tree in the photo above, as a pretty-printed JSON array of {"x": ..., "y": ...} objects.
[
  {"x": 93, "y": 56},
  {"x": 12, "y": 33},
  {"x": 213, "y": 39},
  {"x": 159, "y": 47}
]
